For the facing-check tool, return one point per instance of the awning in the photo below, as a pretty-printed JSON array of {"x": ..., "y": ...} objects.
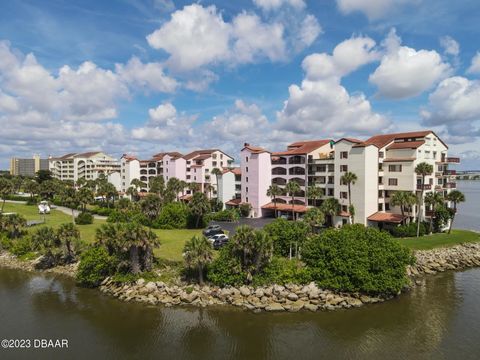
[
  {"x": 386, "y": 217},
  {"x": 286, "y": 207},
  {"x": 234, "y": 202}
]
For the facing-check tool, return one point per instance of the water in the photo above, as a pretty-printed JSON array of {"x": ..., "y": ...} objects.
[
  {"x": 438, "y": 320},
  {"x": 468, "y": 216}
]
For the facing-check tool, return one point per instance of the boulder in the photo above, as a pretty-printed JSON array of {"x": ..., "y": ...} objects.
[
  {"x": 245, "y": 291},
  {"x": 274, "y": 307},
  {"x": 151, "y": 286},
  {"x": 259, "y": 293},
  {"x": 140, "y": 282},
  {"x": 311, "y": 307},
  {"x": 188, "y": 298},
  {"x": 292, "y": 296}
]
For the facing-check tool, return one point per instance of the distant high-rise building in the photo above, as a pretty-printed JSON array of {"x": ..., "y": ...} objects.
[{"x": 27, "y": 167}]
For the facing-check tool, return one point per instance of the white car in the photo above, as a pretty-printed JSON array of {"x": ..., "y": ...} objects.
[
  {"x": 218, "y": 236},
  {"x": 43, "y": 208}
]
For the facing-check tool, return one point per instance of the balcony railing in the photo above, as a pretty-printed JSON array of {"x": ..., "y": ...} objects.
[
  {"x": 425, "y": 187},
  {"x": 451, "y": 185},
  {"x": 455, "y": 160},
  {"x": 450, "y": 172}
]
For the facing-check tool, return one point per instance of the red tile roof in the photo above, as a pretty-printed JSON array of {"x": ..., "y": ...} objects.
[
  {"x": 88, "y": 154},
  {"x": 64, "y": 157},
  {"x": 236, "y": 171},
  {"x": 286, "y": 207},
  {"x": 352, "y": 140},
  {"x": 386, "y": 217},
  {"x": 254, "y": 149},
  {"x": 303, "y": 147},
  {"x": 406, "y": 145},
  {"x": 382, "y": 140},
  {"x": 234, "y": 202}
]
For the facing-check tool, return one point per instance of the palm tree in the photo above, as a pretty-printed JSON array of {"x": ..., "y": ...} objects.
[
  {"x": 157, "y": 185},
  {"x": 314, "y": 217},
  {"x": 174, "y": 186},
  {"x": 13, "y": 225},
  {"x": 85, "y": 197},
  {"x": 433, "y": 200},
  {"x": 273, "y": 191},
  {"x": 183, "y": 186},
  {"x": 199, "y": 206},
  {"x": 70, "y": 199},
  {"x": 197, "y": 253},
  {"x": 17, "y": 182},
  {"x": 423, "y": 169},
  {"x": 401, "y": 199},
  {"x": 6, "y": 188},
  {"x": 314, "y": 193},
  {"x": 68, "y": 234},
  {"x": 138, "y": 184},
  {"x": 31, "y": 187},
  {"x": 330, "y": 207},
  {"x": 291, "y": 189},
  {"x": 217, "y": 172},
  {"x": 349, "y": 178},
  {"x": 132, "y": 192},
  {"x": 208, "y": 189},
  {"x": 150, "y": 206},
  {"x": 193, "y": 187},
  {"x": 455, "y": 197}
]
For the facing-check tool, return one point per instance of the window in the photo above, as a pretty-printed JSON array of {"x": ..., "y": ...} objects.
[
  {"x": 387, "y": 206},
  {"x": 221, "y": 156},
  {"x": 321, "y": 168},
  {"x": 331, "y": 168},
  {"x": 246, "y": 158},
  {"x": 246, "y": 179},
  {"x": 330, "y": 179},
  {"x": 343, "y": 195},
  {"x": 342, "y": 182},
  {"x": 380, "y": 193},
  {"x": 214, "y": 163},
  {"x": 246, "y": 169},
  {"x": 330, "y": 192},
  {"x": 393, "y": 182},
  {"x": 246, "y": 189},
  {"x": 246, "y": 199},
  {"x": 380, "y": 207},
  {"x": 380, "y": 166},
  {"x": 380, "y": 154},
  {"x": 344, "y": 208},
  {"x": 344, "y": 155},
  {"x": 344, "y": 168},
  {"x": 395, "y": 168}
]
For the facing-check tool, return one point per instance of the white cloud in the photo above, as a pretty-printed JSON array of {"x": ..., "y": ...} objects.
[
  {"x": 454, "y": 103},
  {"x": 269, "y": 5},
  {"x": 347, "y": 56},
  {"x": 165, "y": 124},
  {"x": 475, "y": 65},
  {"x": 405, "y": 72},
  {"x": 254, "y": 38},
  {"x": 149, "y": 76},
  {"x": 197, "y": 36},
  {"x": 373, "y": 9},
  {"x": 321, "y": 102},
  {"x": 194, "y": 36},
  {"x": 450, "y": 45}
]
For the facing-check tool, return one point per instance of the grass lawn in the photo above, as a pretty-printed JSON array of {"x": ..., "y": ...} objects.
[
  {"x": 441, "y": 240},
  {"x": 171, "y": 241}
]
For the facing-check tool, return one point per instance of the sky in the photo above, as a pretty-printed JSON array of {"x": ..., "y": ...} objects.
[{"x": 145, "y": 76}]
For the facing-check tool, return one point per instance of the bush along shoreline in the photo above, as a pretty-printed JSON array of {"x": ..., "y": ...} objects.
[{"x": 257, "y": 298}]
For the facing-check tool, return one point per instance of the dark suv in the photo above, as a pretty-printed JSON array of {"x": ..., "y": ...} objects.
[{"x": 213, "y": 230}]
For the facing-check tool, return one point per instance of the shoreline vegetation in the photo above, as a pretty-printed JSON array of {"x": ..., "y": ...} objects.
[
  {"x": 272, "y": 298},
  {"x": 151, "y": 249}
]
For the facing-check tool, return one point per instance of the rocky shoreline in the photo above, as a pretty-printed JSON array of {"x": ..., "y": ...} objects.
[{"x": 290, "y": 297}]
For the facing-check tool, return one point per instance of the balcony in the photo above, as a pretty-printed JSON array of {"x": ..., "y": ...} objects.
[
  {"x": 425, "y": 187},
  {"x": 454, "y": 160},
  {"x": 450, "y": 172},
  {"x": 450, "y": 185}
]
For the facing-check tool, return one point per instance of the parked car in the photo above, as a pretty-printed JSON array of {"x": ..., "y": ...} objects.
[
  {"x": 220, "y": 241},
  {"x": 216, "y": 237},
  {"x": 213, "y": 230}
]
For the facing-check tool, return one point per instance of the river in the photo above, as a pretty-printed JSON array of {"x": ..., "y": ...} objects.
[{"x": 438, "y": 320}]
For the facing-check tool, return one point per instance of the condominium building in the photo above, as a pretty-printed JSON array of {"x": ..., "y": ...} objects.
[
  {"x": 27, "y": 167},
  {"x": 230, "y": 187},
  {"x": 88, "y": 165},
  {"x": 382, "y": 164},
  {"x": 195, "y": 167}
]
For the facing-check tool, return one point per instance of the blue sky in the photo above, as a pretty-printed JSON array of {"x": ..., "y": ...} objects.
[{"x": 133, "y": 76}]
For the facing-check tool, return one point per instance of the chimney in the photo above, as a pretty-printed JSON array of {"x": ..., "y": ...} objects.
[{"x": 246, "y": 144}]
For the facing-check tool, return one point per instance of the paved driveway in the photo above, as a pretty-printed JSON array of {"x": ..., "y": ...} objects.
[{"x": 257, "y": 223}]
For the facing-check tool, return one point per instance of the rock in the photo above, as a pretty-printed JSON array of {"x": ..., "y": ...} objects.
[
  {"x": 259, "y": 293},
  {"x": 354, "y": 302},
  {"x": 151, "y": 286},
  {"x": 334, "y": 300},
  {"x": 274, "y": 307},
  {"x": 277, "y": 289},
  {"x": 311, "y": 307},
  {"x": 140, "y": 282},
  {"x": 292, "y": 297},
  {"x": 297, "y": 306},
  {"x": 245, "y": 291},
  {"x": 188, "y": 298}
]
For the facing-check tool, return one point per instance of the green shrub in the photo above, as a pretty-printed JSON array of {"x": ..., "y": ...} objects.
[
  {"x": 283, "y": 271},
  {"x": 245, "y": 209},
  {"x": 22, "y": 246},
  {"x": 5, "y": 242},
  {"x": 84, "y": 218},
  {"x": 287, "y": 235},
  {"x": 125, "y": 216},
  {"x": 409, "y": 230},
  {"x": 224, "y": 215},
  {"x": 102, "y": 211},
  {"x": 225, "y": 269},
  {"x": 95, "y": 265},
  {"x": 356, "y": 258},
  {"x": 442, "y": 216},
  {"x": 216, "y": 205},
  {"x": 172, "y": 216}
]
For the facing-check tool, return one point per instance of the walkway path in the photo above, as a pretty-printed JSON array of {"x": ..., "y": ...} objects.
[{"x": 63, "y": 209}]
